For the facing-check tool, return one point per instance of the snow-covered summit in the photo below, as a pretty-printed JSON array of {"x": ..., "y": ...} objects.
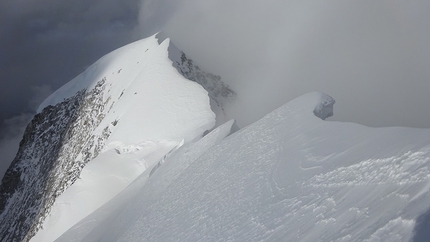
[
  {"x": 143, "y": 52},
  {"x": 133, "y": 102},
  {"x": 220, "y": 94}
]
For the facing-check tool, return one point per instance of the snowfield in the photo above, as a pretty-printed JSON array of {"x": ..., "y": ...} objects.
[{"x": 288, "y": 177}]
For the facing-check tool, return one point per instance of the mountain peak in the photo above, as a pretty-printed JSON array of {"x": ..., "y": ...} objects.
[{"x": 131, "y": 99}]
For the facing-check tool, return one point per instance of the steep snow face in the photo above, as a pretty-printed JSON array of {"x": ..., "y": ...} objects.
[
  {"x": 152, "y": 183},
  {"x": 288, "y": 177},
  {"x": 132, "y": 106}
]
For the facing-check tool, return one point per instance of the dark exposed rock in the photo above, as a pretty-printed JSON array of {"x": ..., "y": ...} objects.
[
  {"x": 60, "y": 141},
  {"x": 218, "y": 91},
  {"x": 55, "y": 147}
]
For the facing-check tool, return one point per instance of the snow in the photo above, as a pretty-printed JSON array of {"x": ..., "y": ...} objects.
[
  {"x": 112, "y": 62},
  {"x": 149, "y": 109},
  {"x": 288, "y": 177},
  {"x": 145, "y": 92},
  {"x": 154, "y": 181},
  {"x": 100, "y": 181},
  {"x": 166, "y": 105}
]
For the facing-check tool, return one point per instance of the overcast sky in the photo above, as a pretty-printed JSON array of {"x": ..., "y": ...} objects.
[
  {"x": 372, "y": 56},
  {"x": 44, "y": 44}
]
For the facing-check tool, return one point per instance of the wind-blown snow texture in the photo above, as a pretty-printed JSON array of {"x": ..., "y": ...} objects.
[
  {"x": 288, "y": 177},
  {"x": 132, "y": 100}
]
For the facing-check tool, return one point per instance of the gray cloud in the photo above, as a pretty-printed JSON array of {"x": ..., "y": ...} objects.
[
  {"x": 371, "y": 56},
  {"x": 10, "y": 138},
  {"x": 48, "y": 43}
]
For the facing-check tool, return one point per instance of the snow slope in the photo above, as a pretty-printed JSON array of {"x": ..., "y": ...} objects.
[
  {"x": 149, "y": 109},
  {"x": 152, "y": 182},
  {"x": 100, "y": 180},
  {"x": 145, "y": 94},
  {"x": 288, "y": 177}
]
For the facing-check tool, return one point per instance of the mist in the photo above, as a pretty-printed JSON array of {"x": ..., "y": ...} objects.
[
  {"x": 10, "y": 138},
  {"x": 371, "y": 56}
]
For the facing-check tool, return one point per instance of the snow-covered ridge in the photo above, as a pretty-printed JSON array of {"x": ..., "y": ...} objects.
[
  {"x": 221, "y": 95},
  {"x": 131, "y": 99},
  {"x": 288, "y": 177},
  {"x": 153, "y": 181},
  {"x": 114, "y": 61},
  {"x": 133, "y": 118}
]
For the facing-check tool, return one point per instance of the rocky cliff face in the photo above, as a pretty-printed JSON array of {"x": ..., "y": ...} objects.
[
  {"x": 218, "y": 91},
  {"x": 56, "y": 145}
]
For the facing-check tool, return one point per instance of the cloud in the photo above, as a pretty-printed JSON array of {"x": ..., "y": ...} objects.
[
  {"x": 40, "y": 93},
  {"x": 371, "y": 56},
  {"x": 47, "y": 43},
  {"x": 11, "y": 136},
  {"x": 12, "y": 129}
]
